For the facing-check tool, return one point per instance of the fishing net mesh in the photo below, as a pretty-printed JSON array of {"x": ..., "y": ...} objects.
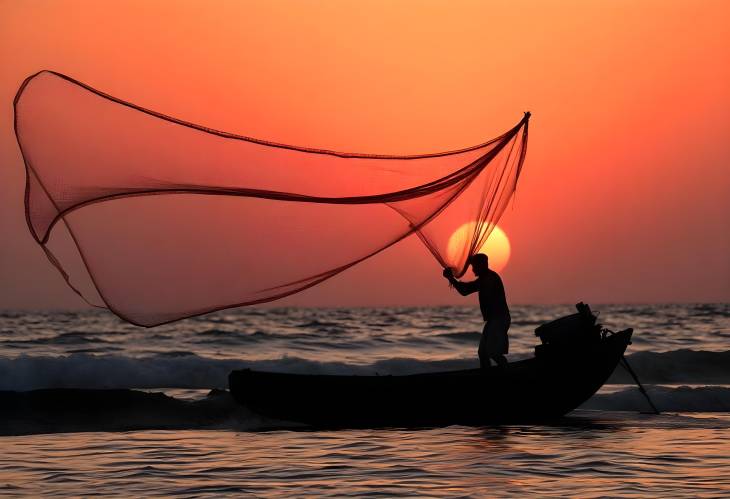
[{"x": 158, "y": 219}]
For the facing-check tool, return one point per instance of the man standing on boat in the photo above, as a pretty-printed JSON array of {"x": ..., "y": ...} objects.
[{"x": 494, "y": 343}]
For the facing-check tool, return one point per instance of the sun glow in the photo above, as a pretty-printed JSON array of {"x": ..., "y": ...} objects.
[{"x": 496, "y": 247}]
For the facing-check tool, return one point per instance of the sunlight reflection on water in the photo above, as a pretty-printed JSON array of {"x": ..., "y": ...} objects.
[{"x": 589, "y": 455}]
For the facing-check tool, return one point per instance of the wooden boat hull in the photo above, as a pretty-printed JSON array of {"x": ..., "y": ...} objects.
[{"x": 541, "y": 388}]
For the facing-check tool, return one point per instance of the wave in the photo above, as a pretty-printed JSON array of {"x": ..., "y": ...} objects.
[
  {"x": 183, "y": 369},
  {"x": 75, "y": 410},
  {"x": 666, "y": 399},
  {"x": 677, "y": 366}
]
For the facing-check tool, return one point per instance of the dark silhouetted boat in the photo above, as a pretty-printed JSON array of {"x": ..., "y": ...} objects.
[{"x": 574, "y": 361}]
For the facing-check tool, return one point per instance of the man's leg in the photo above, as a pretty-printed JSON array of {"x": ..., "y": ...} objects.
[
  {"x": 484, "y": 362},
  {"x": 498, "y": 341},
  {"x": 483, "y": 356}
]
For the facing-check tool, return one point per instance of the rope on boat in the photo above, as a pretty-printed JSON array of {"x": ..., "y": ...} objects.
[
  {"x": 638, "y": 383},
  {"x": 624, "y": 362}
]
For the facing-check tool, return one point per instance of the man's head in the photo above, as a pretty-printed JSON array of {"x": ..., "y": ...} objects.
[{"x": 479, "y": 264}]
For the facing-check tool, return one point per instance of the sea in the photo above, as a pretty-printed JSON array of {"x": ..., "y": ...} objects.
[{"x": 176, "y": 432}]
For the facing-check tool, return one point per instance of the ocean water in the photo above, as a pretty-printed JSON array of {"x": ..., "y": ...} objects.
[{"x": 180, "y": 433}]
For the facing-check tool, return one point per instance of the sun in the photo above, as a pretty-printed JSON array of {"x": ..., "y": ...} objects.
[{"x": 497, "y": 246}]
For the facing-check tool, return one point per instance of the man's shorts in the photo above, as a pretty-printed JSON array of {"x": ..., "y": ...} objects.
[{"x": 494, "y": 339}]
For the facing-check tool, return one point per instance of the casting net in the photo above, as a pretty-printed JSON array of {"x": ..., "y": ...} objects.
[{"x": 159, "y": 219}]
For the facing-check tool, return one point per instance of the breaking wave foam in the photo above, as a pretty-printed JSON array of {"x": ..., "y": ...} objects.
[
  {"x": 665, "y": 398},
  {"x": 181, "y": 371},
  {"x": 677, "y": 366},
  {"x": 185, "y": 370}
]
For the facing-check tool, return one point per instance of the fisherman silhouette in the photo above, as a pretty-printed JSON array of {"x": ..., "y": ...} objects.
[{"x": 493, "y": 303}]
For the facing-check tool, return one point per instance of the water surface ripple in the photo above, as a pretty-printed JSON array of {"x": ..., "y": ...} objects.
[{"x": 590, "y": 455}]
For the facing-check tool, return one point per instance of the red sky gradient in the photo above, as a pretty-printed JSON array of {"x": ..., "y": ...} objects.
[{"x": 625, "y": 195}]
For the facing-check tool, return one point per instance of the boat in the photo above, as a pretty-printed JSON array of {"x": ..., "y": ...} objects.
[{"x": 575, "y": 359}]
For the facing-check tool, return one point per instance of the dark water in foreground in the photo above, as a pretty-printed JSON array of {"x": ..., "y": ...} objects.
[
  {"x": 217, "y": 448},
  {"x": 597, "y": 455}
]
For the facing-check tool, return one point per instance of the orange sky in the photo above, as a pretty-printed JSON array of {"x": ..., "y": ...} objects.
[{"x": 625, "y": 195}]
